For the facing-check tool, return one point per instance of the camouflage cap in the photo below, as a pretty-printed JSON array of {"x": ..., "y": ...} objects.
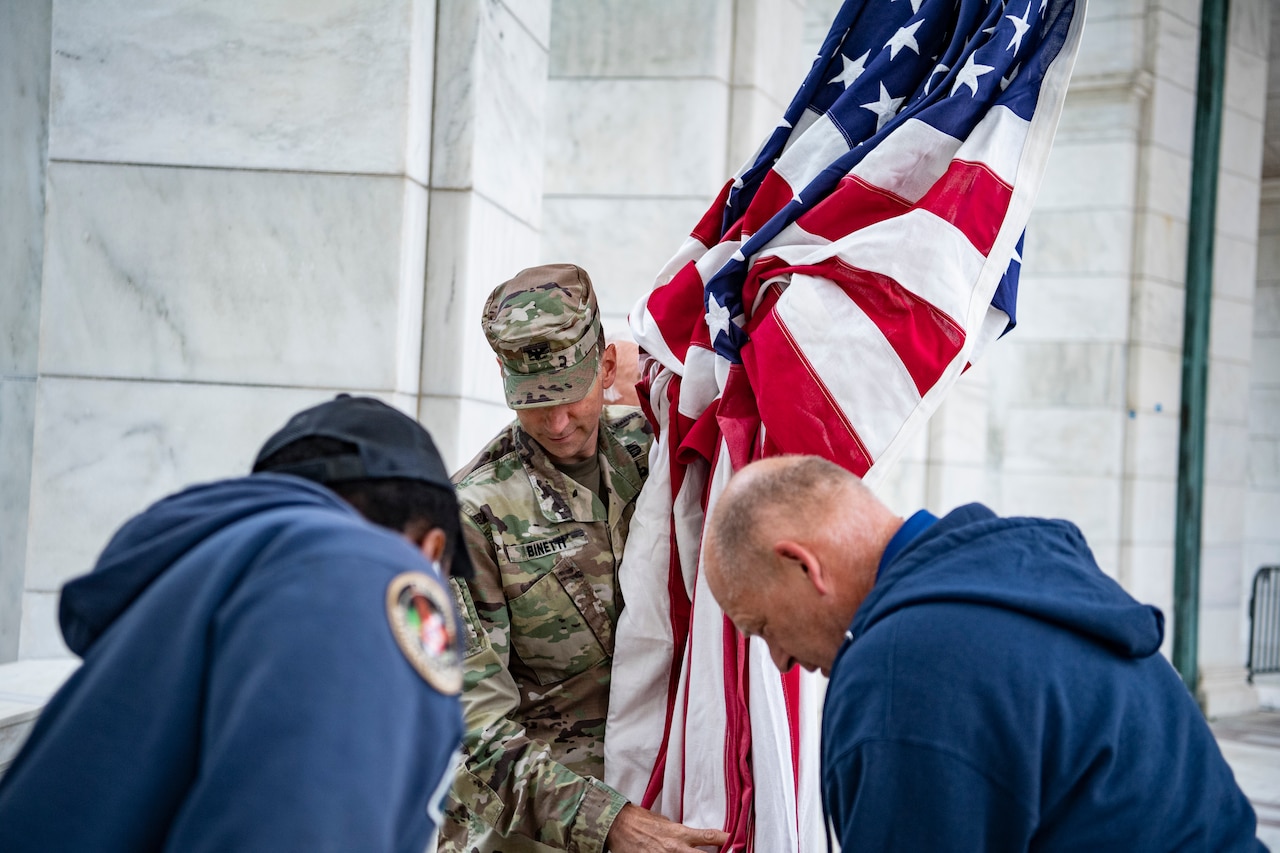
[{"x": 544, "y": 325}]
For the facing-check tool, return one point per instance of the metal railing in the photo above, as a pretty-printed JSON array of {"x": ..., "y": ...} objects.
[{"x": 1264, "y": 622}]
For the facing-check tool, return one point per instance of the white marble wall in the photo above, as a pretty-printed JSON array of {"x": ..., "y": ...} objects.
[
  {"x": 24, "y": 105},
  {"x": 1262, "y": 501},
  {"x": 1224, "y": 594},
  {"x": 486, "y": 205},
  {"x": 235, "y": 229},
  {"x": 651, "y": 106}
]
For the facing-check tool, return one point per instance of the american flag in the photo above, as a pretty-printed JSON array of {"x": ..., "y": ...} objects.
[{"x": 827, "y": 301}]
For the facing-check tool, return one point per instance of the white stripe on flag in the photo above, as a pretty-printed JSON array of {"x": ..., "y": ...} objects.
[
  {"x": 909, "y": 161},
  {"x": 997, "y": 141}
]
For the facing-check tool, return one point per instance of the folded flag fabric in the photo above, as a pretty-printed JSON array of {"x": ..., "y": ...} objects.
[{"x": 829, "y": 298}]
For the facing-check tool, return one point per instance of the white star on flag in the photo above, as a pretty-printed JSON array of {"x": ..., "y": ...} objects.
[
  {"x": 905, "y": 37},
  {"x": 717, "y": 318},
  {"x": 969, "y": 75},
  {"x": 1020, "y": 27},
  {"x": 885, "y": 108},
  {"x": 853, "y": 69}
]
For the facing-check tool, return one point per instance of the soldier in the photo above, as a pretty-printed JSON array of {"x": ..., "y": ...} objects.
[{"x": 546, "y": 508}]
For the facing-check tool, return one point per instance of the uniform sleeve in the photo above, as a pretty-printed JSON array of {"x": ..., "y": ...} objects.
[
  {"x": 509, "y": 780},
  {"x": 895, "y": 796},
  {"x": 318, "y": 732}
]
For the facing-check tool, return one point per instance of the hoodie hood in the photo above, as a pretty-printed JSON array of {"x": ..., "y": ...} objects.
[
  {"x": 1039, "y": 567},
  {"x": 150, "y": 543}
]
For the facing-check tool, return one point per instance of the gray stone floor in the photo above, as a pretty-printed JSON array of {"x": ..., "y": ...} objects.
[{"x": 1251, "y": 744}]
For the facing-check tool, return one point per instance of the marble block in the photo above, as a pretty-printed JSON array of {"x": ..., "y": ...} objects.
[
  {"x": 1160, "y": 249},
  {"x": 1220, "y": 583},
  {"x": 1163, "y": 196},
  {"x": 1261, "y": 511},
  {"x": 1268, "y": 260},
  {"x": 1151, "y": 444},
  {"x": 25, "y": 688},
  {"x": 1080, "y": 241},
  {"x": 752, "y": 117},
  {"x": 244, "y": 277},
  {"x": 534, "y": 16},
  {"x": 1155, "y": 380},
  {"x": 105, "y": 450},
  {"x": 461, "y": 427},
  {"x": 1231, "y": 330},
  {"x": 1091, "y": 503},
  {"x": 903, "y": 487},
  {"x": 342, "y": 86},
  {"x": 17, "y": 424},
  {"x": 1176, "y": 52},
  {"x": 1089, "y": 174},
  {"x": 40, "y": 636},
  {"x": 1222, "y": 520},
  {"x": 490, "y": 107},
  {"x": 1264, "y": 462},
  {"x": 957, "y": 432},
  {"x": 1072, "y": 374},
  {"x": 1064, "y": 441},
  {"x": 1228, "y": 392},
  {"x": 1150, "y": 510},
  {"x": 953, "y": 485},
  {"x": 1148, "y": 574},
  {"x": 1159, "y": 310},
  {"x": 1072, "y": 308},
  {"x": 641, "y": 38},
  {"x": 24, "y": 106},
  {"x": 1101, "y": 111},
  {"x": 1246, "y": 82},
  {"x": 621, "y": 242},
  {"x": 1173, "y": 117},
  {"x": 767, "y": 49},
  {"x": 1242, "y": 144},
  {"x": 1237, "y": 209},
  {"x": 472, "y": 246},
  {"x": 636, "y": 137},
  {"x": 1113, "y": 45}
]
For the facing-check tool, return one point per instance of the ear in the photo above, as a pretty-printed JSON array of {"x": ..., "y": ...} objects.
[
  {"x": 432, "y": 547},
  {"x": 608, "y": 366},
  {"x": 808, "y": 562}
]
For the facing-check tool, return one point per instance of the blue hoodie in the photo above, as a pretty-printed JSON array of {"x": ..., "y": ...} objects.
[
  {"x": 998, "y": 692},
  {"x": 241, "y": 688}
]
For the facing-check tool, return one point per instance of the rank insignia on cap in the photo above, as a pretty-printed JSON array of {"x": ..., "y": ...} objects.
[{"x": 423, "y": 623}]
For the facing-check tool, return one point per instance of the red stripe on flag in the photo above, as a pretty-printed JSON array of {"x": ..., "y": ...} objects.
[
  {"x": 707, "y": 231},
  {"x": 774, "y": 194},
  {"x": 853, "y": 205},
  {"x": 973, "y": 199},
  {"x": 925, "y": 338},
  {"x": 798, "y": 411},
  {"x": 678, "y": 309}
]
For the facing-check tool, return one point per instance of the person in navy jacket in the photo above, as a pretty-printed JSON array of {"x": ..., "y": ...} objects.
[
  {"x": 264, "y": 669},
  {"x": 991, "y": 689}
]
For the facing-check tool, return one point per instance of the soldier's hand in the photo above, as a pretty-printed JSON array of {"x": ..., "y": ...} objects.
[{"x": 637, "y": 830}]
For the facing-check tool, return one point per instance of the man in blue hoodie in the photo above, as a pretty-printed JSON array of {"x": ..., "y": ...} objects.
[
  {"x": 264, "y": 669},
  {"x": 991, "y": 689}
]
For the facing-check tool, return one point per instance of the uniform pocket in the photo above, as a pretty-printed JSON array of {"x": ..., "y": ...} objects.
[{"x": 554, "y": 625}]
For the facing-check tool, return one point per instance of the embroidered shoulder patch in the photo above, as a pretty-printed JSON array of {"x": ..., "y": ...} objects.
[
  {"x": 523, "y": 551},
  {"x": 425, "y": 628}
]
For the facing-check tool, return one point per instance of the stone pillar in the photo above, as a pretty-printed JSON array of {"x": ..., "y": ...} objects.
[
  {"x": 651, "y": 106},
  {"x": 24, "y": 109},
  {"x": 486, "y": 204},
  {"x": 1262, "y": 502},
  {"x": 235, "y": 229},
  {"x": 1224, "y": 594}
]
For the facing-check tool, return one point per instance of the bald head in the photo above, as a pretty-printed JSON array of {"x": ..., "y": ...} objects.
[{"x": 795, "y": 530}]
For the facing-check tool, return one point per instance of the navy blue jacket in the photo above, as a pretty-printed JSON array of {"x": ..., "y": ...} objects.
[
  {"x": 241, "y": 688},
  {"x": 999, "y": 692}
]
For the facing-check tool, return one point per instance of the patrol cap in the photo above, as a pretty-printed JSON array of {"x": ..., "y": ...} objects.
[
  {"x": 390, "y": 445},
  {"x": 544, "y": 325}
]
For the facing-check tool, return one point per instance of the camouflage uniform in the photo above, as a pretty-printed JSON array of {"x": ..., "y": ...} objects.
[{"x": 539, "y": 619}]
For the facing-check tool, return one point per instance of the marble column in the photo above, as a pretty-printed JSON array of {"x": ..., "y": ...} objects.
[
  {"x": 235, "y": 229},
  {"x": 24, "y": 108},
  {"x": 651, "y": 106},
  {"x": 486, "y": 204}
]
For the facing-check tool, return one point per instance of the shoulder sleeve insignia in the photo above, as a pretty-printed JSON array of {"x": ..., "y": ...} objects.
[{"x": 426, "y": 629}]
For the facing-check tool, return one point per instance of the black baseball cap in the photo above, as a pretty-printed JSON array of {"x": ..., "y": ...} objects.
[{"x": 389, "y": 444}]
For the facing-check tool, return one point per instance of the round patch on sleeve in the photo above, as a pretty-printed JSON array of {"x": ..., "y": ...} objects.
[{"x": 423, "y": 623}]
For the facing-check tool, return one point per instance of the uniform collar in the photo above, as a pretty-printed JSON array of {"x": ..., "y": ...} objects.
[{"x": 555, "y": 491}]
